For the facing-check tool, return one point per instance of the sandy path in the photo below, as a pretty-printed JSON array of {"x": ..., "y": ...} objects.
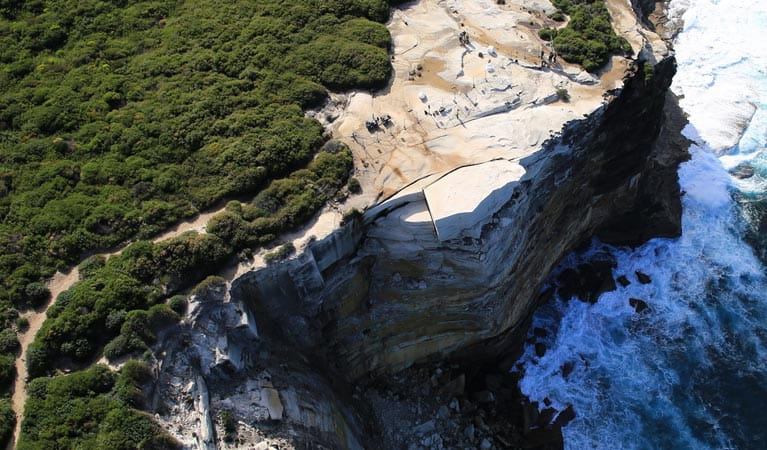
[
  {"x": 424, "y": 36},
  {"x": 59, "y": 283},
  {"x": 323, "y": 224}
]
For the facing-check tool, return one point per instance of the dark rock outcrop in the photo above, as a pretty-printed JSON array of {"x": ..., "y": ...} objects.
[
  {"x": 402, "y": 296},
  {"x": 639, "y": 306},
  {"x": 653, "y": 15},
  {"x": 382, "y": 294}
]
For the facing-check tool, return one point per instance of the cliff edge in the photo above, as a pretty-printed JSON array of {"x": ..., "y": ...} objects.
[{"x": 449, "y": 267}]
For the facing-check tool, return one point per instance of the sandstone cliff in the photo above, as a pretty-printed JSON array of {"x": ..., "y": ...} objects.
[
  {"x": 387, "y": 291},
  {"x": 413, "y": 281},
  {"x": 378, "y": 296}
]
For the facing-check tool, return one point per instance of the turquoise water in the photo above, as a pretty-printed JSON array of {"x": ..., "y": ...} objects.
[{"x": 692, "y": 371}]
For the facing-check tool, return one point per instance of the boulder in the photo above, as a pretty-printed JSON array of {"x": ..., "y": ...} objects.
[
  {"x": 424, "y": 428},
  {"x": 456, "y": 386},
  {"x": 639, "y": 306},
  {"x": 743, "y": 172},
  {"x": 483, "y": 397},
  {"x": 623, "y": 280},
  {"x": 643, "y": 277},
  {"x": 270, "y": 398},
  {"x": 469, "y": 431},
  {"x": 565, "y": 416},
  {"x": 544, "y": 418},
  {"x": 567, "y": 369}
]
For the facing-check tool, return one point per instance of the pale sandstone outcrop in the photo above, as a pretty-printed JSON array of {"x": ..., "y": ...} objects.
[{"x": 409, "y": 284}]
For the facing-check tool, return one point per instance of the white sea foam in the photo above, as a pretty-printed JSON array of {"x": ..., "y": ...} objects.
[
  {"x": 626, "y": 374},
  {"x": 722, "y": 66},
  {"x": 690, "y": 373}
]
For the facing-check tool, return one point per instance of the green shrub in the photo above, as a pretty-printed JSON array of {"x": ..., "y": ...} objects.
[
  {"x": 230, "y": 425},
  {"x": 280, "y": 254},
  {"x": 22, "y": 323},
  {"x": 557, "y": 16},
  {"x": 132, "y": 376},
  {"x": 86, "y": 410},
  {"x": 588, "y": 39},
  {"x": 209, "y": 283},
  {"x": 351, "y": 215},
  {"x": 91, "y": 265},
  {"x": 354, "y": 186},
  {"x": 161, "y": 316},
  {"x": 7, "y": 422},
  {"x": 36, "y": 294},
  {"x": 287, "y": 203},
  {"x": 38, "y": 360},
  {"x": 649, "y": 71},
  {"x": 7, "y": 371},
  {"x": 563, "y": 95},
  {"x": 178, "y": 304},
  {"x": 125, "y": 344},
  {"x": 9, "y": 343},
  {"x": 547, "y": 34}
]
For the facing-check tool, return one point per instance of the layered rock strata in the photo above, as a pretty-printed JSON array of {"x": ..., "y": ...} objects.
[
  {"x": 450, "y": 267},
  {"x": 380, "y": 295}
]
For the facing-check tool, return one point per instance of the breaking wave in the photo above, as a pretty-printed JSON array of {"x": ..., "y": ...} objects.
[{"x": 691, "y": 371}]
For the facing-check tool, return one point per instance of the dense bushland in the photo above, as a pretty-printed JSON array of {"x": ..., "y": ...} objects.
[
  {"x": 588, "y": 39},
  {"x": 7, "y": 420},
  {"x": 121, "y": 117},
  {"x": 286, "y": 203},
  {"x": 121, "y": 302},
  {"x": 118, "y": 118},
  {"x": 94, "y": 408}
]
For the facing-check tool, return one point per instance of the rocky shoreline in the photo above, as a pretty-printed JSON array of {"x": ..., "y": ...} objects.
[
  {"x": 287, "y": 342},
  {"x": 385, "y": 335}
]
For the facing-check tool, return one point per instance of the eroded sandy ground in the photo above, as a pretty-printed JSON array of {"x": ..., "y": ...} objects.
[
  {"x": 454, "y": 103},
  {"x": 478, "y": 105}
]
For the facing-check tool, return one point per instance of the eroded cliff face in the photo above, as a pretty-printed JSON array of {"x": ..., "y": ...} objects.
[
  {"x": 383, "y": 294},
  {"x": 286, "y": 350}
]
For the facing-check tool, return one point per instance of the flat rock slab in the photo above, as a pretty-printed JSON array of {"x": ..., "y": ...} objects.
[
  {"x": 462, "y": 201},
  {"x": 270, "y": 398}
]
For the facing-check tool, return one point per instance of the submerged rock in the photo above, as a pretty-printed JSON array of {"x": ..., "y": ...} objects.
[
  {"x": 643, "y": 278},
  {"x": 567, "y": 368},
  {"x": 565, "y": 416},
  {"x": 623, "y": 280},
  {"x": 639, "y": 306},
  {"x": 743, "y": 171}
]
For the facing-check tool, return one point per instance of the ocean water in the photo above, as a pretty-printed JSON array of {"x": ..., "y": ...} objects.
[{"x": 691, "y": 372}]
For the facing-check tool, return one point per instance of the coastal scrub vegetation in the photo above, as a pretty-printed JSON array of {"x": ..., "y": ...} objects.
[
  {"x": 94, "y": 408},
  {"x": 588, "y": 38},
  {"x": 119, "y": 118},
  {"x": 121, "y": 303},
  {"x": 7, "y": 420}
]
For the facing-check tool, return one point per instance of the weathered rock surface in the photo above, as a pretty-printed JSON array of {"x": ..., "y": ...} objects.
[
  {"x": 286, "y": 353},
  {"x": 217, "y": 364},
  {"x": 395, "y": 293}
]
